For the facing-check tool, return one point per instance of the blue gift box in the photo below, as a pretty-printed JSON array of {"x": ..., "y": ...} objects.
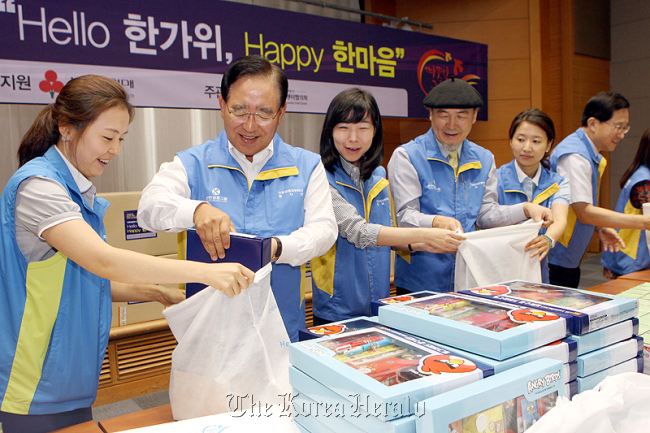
[
  {"x": 571, "y": 371},
  {"x": 313, "y": 399},
  {"x": 606, "y": 336},
  {"x": 571, "y": 389},
  {"x": 516, "y": 397},
  {"x": 251, "y": 251},
  {"x": 563, "y": 350},
  {"x": 389, "y": 371},
  {"x": 337, "y": 328},
  {"x": 590, "y": 311},
  {"x": 634, "y": 365},
  {"x": 374, "y": 305},
  {"x": 609, "y": 356},
  {"x": 487, "y": 327}
]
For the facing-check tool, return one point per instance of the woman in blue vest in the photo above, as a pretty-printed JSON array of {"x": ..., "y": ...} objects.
[
  {"x": 635, "y": 190},
  {"x": 58, "y": 273},
  {"x": 527, "y": 178},
  {"x": 357, "y": 268}
]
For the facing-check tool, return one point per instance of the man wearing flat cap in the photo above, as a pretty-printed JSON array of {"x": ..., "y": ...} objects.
[{"x": 442, "y": 180}]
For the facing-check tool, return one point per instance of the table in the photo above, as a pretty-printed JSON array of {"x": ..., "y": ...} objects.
[
  {"x": 644, "y": 276},
  {"x": 86, "y": 427},
  {"x": 614, "y": 287},
  {"x": 143, "y": 418}
]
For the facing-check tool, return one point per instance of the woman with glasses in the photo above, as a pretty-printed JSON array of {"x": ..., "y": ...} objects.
[{"x": 635, "y": 191}]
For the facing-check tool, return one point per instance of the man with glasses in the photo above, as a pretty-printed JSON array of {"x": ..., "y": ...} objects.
[
  {"x": 605, "y": 121},
  {"x": 248, "y": 180}
]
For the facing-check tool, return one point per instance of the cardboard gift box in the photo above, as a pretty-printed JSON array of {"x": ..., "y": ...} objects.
[
  {"x": 374, "y": 305},
  {"x": 251, "y": 251},
  {"x": 634, "y": 365},
  {"x": 487, "y": 327},
  {"x": 609, "y": 356},
  {"x": 562, "y": 350},
  {"x": 337, "y": 328},
  {"x": 509, "y": 401},
  {"x": 606, "y": 336},
  {"x": 389, "y": 370},
  {"x": 588, "y": 311},
  {"x": 571, "y": 389},
  {"x": 312, "y": 399}
]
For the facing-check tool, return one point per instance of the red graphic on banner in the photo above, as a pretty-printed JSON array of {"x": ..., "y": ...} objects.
[
  {"x": 50, "y": 84},
  {"x": 436, "y": 67}
]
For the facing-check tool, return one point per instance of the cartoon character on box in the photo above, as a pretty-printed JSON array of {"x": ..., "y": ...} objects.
[
  {"x": 327, "y": 329},
  {"x": 438, "y": 364},
  {"x": 530, "y": 315},
  {"x": 397, "y": 299},
  {"x": 529, "y": 412},
  {"x": 488, "y": 421}
]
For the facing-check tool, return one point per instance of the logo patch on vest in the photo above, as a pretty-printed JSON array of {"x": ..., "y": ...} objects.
[
  {"x": 433, "y": 187},
  {"x": 291, "y": 192},
  {"x": 216, "y": 196},
  {"x": 476, "y": 184}
]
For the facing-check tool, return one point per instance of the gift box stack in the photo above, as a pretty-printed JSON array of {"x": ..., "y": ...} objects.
[
  {"x": 372, "y": 379},
  {"x": 448, "y": 334},
  {"x": 603, "y": 326}
]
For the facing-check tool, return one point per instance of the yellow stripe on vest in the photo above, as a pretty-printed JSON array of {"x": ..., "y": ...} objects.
[
  {"x": 630, "y": 236},
  {"x": 181, "y": 253},
  {"x": 572, "y": 217},
  {"x": 231, "y": 168},
  {"x": 374, "y": 192},
  {"x": 470, "y": 166},
  {"x": 303, "y": 282},
  {"x": 570, "y": 225},
  {"x": 277, "y": 173},
  {"x": 44, "y": 288},
  {"x": 548, "y": 192},
  {"x": 322, "y": 270}
]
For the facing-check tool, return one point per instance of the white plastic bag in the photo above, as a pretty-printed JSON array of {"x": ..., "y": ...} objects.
[
  {"x": 496, "y": 255},
  {"x": 619, "y": 404},
  {"x": 232, "y": 353}
]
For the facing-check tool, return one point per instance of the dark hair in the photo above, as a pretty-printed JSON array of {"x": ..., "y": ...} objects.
[
  {"x": 603, "y": 105},
  {"x": 81, "y": 101},
  {"x": 642, "y": 157},
  {"x": 352, "y": 106},
  {"x": 538, "y": 118},
  {"x": 255, "y": 66}
]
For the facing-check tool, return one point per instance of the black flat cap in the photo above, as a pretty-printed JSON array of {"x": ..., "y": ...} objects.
[{"x": 453, "y": 93}]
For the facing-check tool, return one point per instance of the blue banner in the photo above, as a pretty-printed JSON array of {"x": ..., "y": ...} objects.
[{"x": 172, "y": 53}]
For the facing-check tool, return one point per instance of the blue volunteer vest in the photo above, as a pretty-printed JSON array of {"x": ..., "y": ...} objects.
[
  {"x": 55, "y": 316},
  {"x": 511, "y": 192},
  {"x": 572, "y": 245},
  {"x": 634, "y": 257},
  {"x": 346, "y": 279},
  {"x": 443, "y": 193},
  {"x": 273, "y": 205}
]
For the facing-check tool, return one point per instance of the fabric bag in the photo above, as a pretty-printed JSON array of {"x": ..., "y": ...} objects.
[
  {"x": 497, "y": 255},
  {"x": 619, "y": 404},
  {"x": 232, "y": 353}
]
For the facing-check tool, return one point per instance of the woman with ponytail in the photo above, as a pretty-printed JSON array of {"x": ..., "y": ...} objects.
[{"x": 58, "y": 273}]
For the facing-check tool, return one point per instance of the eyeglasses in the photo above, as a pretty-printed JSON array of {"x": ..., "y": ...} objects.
[
  {"x": 260, "y": 118},
  {"x": 620, "y": 129}
]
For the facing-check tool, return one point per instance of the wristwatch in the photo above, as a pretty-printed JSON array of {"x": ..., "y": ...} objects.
[{"x": 278, "y": 250}]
